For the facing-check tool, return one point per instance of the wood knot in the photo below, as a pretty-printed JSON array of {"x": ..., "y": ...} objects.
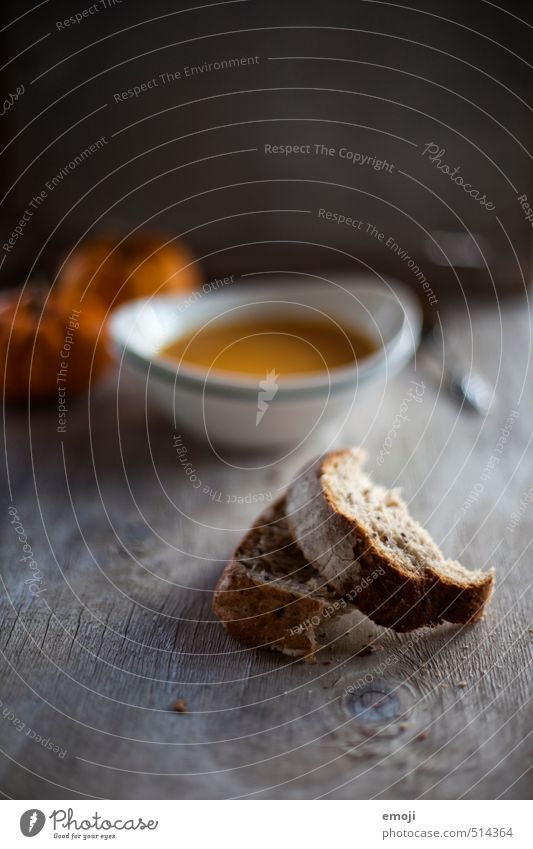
[{"x": 374, "y": 703}]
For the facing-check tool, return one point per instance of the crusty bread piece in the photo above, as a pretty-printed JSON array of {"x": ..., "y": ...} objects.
[
  {"x": 349, "y": 527},
  {"x": 268, "y": 595}
]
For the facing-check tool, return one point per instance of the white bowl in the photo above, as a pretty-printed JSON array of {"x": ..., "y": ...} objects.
[{"x": 224, "y": 408}]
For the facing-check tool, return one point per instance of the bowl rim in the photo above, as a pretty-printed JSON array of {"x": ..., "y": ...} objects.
[{"x": 395, "y": 353}]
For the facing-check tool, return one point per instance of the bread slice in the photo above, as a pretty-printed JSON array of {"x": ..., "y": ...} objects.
[
  {"x": 351, "y": 528},
  {"x": 269, "y": 595}
]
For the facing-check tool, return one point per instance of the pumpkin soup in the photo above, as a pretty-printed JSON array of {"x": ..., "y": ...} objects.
[{"x": 253, "y": 348}]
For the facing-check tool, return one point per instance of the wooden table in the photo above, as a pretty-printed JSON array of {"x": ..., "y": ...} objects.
[{"x": 112, "y": 623}]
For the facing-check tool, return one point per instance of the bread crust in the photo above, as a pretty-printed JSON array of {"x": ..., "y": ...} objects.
[{"x": 345, "y": 552}]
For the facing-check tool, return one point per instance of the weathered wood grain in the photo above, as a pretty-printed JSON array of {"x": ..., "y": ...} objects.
[{"x": 129, "y": 554}]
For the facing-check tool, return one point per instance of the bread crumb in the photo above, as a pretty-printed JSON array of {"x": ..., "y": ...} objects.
[
  {"x": 368, "y": 648},
  {"x": 422, "y": 736},
  {"x": 180, "y": 706},
  {"x": 462, "y": 683},
  {"x": 403, "y": 726}
]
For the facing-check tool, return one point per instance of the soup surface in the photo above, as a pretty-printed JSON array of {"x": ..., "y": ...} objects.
[{"x": 287, "y": 346}]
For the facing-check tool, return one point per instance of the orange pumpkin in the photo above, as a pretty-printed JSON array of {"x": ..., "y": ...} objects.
[
  {"x": 139, "y": 266},
  {"x": 50, "y": 348}
]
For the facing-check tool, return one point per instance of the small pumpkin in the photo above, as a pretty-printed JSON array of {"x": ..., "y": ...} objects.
[
  {"x": 51, "y": 345},
  {"x": 138, "y": 266}
]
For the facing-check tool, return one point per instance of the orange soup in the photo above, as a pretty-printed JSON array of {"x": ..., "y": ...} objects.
[{"x": 254, "y": 348}]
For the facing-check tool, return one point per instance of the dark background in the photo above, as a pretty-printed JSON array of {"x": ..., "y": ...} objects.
[{"x": 454, "y": 73}]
